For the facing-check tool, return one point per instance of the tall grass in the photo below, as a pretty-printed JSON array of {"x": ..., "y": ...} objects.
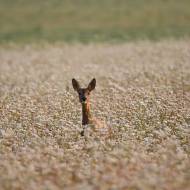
[{"x": 142, "y": 92}]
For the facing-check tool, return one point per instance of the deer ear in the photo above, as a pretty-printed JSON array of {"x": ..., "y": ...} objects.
[
  {"x": 75, "y": 84},
  {"x": 92, "y": 84}
]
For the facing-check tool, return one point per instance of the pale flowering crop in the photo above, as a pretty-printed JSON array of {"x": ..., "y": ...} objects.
[{"x": 143, "y": 93}]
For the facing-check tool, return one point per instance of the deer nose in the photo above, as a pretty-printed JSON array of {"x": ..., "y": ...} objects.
[{"x": 83, "y": 99}]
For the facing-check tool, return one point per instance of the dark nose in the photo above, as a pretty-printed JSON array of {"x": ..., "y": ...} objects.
[{"x": 83, "y": 98}]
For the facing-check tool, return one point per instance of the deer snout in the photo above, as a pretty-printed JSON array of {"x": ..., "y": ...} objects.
[{"x": 83, "y": 99}]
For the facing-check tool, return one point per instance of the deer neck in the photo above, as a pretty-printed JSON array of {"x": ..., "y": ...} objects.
[{"x": 86, "y": 116}]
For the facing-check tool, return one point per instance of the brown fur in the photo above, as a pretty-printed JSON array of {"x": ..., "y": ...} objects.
[{"x": 87, "y": 119}]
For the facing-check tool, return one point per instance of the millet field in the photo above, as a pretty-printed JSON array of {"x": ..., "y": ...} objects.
[{"x": 142, "y": 93}]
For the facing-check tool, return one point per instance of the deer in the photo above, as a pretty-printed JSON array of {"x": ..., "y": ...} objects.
[{"x": 87, "y": 118}]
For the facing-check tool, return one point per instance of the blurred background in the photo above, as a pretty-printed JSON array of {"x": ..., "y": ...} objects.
[{"x": 25, "y": 21}]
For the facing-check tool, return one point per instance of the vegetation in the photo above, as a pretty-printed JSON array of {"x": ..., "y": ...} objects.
[
  {"x": 26, "y": 21},
  {"x": 142, "y": 92}
]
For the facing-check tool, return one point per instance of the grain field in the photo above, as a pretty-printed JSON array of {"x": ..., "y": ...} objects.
[{"x": 143, "y": 94}]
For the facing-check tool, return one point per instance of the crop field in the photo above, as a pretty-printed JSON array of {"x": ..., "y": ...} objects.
[{"x": 142, "y": 93}]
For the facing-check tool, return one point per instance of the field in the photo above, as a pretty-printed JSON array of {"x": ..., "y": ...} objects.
[
  {"x": 143, "y": 93},
  {"x": 139, "y": 53},
  {"x": 26, "y": 21}
]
